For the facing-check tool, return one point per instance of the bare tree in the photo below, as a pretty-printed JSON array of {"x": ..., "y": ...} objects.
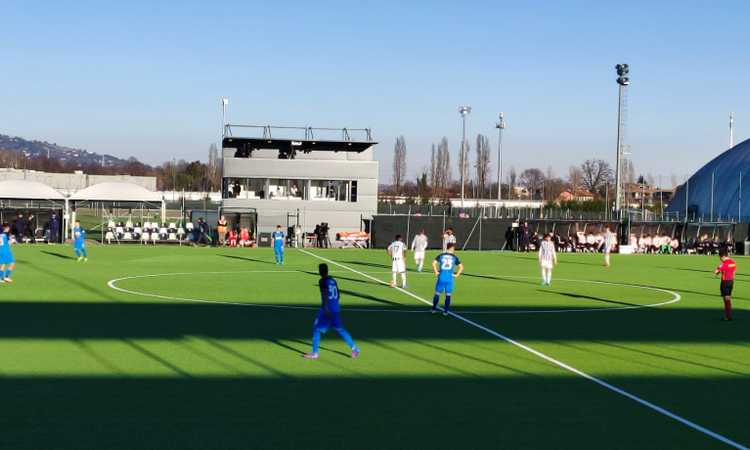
[
  {"x": 596, "y": 175},
  {"x": 512, "y": 178},
  {"x": 442, "y": 169},
  {"x": 214, "y": 168},
  {"x": 433, "y": 167},
  {"x": 399, "y": 164},
  {"x": 628, "y": 171},
  {"x": 533, "y": 181},
  {"x": 482, "y": 164},
  {"x": 575, "y": 179}
]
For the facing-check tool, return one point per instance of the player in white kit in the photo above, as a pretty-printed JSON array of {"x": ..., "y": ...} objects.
[
  {"x": 397, "y": 252},
  {"x": 547, "y": 259},
  {"x": 609, "y": 244},
  {"x": 419, "y": 246}
]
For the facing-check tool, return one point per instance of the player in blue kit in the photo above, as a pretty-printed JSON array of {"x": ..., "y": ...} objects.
[
  {"x": 79, "y": 242},
  {"x": 444, "y": 266},
  {"x": 278, "y": 244},
  {"x": 329, "y": 314},
  {"x": 7, "y": 262}
]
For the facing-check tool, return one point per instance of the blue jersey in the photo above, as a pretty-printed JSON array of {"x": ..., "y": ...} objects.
[
  {"x": 447, "y": 263},
  {"x": 6, "y": 254},
  {"x": 79, "y": 237},
  {"x": 278, "y": 238},
  {"x": 329, "y": 295}
]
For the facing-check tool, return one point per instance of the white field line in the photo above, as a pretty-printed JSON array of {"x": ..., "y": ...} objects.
[
  {"x": 113, "y": 285},
  {"x": 556, "y": 362}
]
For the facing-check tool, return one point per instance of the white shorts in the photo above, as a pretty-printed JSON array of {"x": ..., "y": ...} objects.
[
  {"x": 399, "y": 266},
  {"x": 607, "y": 250},
  {"x": 418, "y": 255},
  {"x": 547, "y": 265}
]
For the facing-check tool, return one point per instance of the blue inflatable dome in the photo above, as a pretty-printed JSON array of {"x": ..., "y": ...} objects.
[{"x": 723, "y": 176}]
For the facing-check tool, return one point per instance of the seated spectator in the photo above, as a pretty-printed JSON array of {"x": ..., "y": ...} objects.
[
  {"x": 232, "y": 238},
  {"x": 245, "y": 238}
]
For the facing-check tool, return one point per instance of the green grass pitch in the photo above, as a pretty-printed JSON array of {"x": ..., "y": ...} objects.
[{"x": 175, "y": 353}]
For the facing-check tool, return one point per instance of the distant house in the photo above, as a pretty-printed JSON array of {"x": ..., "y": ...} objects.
[
  {"x": 637, "y": 194},
  {"x": 580, "y": 195}
]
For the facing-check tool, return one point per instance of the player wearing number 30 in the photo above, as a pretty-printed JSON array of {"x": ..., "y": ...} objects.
[
  {"x": 278, "y": 244},
  {"x": 444, "y": 266},
  {"x": 329, "y": 314}
]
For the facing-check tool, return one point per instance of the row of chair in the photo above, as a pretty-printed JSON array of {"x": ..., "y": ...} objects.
[{"x": 149, "y": 232}]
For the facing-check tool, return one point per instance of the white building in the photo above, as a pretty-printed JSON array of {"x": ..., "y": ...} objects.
[{"x": 306, "y": 181}]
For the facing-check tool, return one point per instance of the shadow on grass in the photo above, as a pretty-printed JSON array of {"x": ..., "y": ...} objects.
[
  {"x": 247, "y": 258},
  {"x": 139, "y": 320},
  {"x": 481, "y": 412},
  {"x": 57, "y": 255}
]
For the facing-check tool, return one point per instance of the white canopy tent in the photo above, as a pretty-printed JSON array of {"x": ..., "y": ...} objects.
[
  {"x": 26, "y": 193},
  {"x": 119, "y": 192}
]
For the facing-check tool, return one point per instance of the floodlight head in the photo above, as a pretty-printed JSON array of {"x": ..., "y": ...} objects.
[
  {"x": 224, "y": 101},
  {"x": 501, "y": 123},
  {"x": 464, "y": 110}
]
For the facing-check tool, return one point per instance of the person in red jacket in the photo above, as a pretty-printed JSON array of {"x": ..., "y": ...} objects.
[{"x": 726, "y": 269}]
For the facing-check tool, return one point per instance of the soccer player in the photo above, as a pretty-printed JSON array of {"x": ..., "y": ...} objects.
[
  {"x": 79, "y": 242},
  {"x": 397, "y": 252},
  {"x": 329, "y": 314},
  {"x": 726, "y": 269},
  {"x": 278, "y": 244},
  {"x": 448, "y": 238},
  {"x": 7, "y": 262},
  {"x": 609, "y": 243},
  {"x": 547, "y": 259},
  {"x": 418, "y": 246},
  {"x": 443, "y": 266}
]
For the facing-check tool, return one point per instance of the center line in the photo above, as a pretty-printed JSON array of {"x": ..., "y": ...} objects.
[{"x": 552, "y": 360}]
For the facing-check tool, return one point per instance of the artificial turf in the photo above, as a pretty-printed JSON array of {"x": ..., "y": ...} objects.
[{"x": 188, "y": 360}]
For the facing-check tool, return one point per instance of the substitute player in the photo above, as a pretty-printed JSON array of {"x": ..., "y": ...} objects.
[
  {"x": 726, "y": 269},
  {"x": 444, "y": 266},
  {"x": 397, "y": 252},
  {"x": 79, "y": 242},
  {"x": 419, "y": 246},
  {"x": 278, "y": 244},
  {"x": 329, "y": 314},
  {"x": 547, "y": 259},
  {"x": 7, "y": 262},
  {"x": 609, "y": 244}
]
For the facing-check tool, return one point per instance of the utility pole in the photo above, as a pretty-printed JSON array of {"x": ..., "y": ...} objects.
[
  {"x": 464, "y": 111},
  {"x": 500, "y": 127}
]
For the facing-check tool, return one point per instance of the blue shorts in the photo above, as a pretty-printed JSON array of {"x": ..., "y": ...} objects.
[
  {"x": 444, "y": 286},
  {"x": 278, "y": 248},
  {"x": 324, "y": 322},
  {"x": 7, "y": 259}
]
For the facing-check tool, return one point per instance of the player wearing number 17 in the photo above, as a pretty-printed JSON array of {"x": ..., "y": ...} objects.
[
  {"x": 329, "y": 314},
  {"x": 444, "y": 266}
]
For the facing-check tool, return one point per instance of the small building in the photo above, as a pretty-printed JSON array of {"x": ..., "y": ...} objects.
[
  {"x": 580, "y": 195},
  {"x": 306, "y": 179}
]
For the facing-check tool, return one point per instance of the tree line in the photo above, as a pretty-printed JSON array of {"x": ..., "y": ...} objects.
[
  {"x": 176, "y": 175},
  {"x": 593, "y": 176}
]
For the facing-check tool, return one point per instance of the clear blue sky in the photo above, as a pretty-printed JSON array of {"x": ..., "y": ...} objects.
[{"x": 143, "y": 78}]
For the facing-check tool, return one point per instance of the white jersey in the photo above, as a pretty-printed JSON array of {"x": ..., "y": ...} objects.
[
  {"x": 396, "y": 250},
  {"x": 448, "y": 239},
  {"x": 419, "y": 244},
  {"x": 547, "y": 254},
  {"x": 609, "y": 241}
]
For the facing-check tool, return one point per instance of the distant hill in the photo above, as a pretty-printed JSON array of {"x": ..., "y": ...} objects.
[{"x": 66, "y": 156}]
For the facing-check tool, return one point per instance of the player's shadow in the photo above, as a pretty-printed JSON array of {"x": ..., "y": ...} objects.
[
  {"x": 588, "y": 297},
  {"x": 339, "y": 277},
  {"x": 57, "y": 255},
  {"x": 367, "y": 264},
  {"x": 246, "y": 258},
  {"x": 508, "y": 279},
  {"x": 370, "y": 298}
]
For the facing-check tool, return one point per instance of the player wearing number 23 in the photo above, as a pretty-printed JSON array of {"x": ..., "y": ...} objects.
[{"x": 444, "y": 266}]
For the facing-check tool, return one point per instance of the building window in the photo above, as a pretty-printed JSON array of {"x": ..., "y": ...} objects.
[
  {"x": 247, "y": 188},
  {"x": 329, "y": 190},
  {"x": 286, "y": 189}
]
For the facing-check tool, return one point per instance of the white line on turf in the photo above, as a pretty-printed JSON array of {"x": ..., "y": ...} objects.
[
  {"x": 113, "y": 285},
  {"x": 554, "y": 361}
]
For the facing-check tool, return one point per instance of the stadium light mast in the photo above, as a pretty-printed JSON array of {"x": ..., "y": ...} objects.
[
  {"x": 500, "y": 125},
  {"x": 731, "y": 129},
  {"x": 623, "y": 81},
  {"x": 464, "y": 111},
  {"x": 224, "y": 106}
]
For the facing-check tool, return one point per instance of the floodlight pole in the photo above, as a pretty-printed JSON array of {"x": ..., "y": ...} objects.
[
  {"x": 623, "y": 81},
  {"x": 731, "y": 130},
  {"x": 464, "y": 111},
  {"x": 500, "y": 127}
]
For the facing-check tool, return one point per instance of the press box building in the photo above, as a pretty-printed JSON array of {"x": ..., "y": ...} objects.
[{"x": 307, "y": 177}]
